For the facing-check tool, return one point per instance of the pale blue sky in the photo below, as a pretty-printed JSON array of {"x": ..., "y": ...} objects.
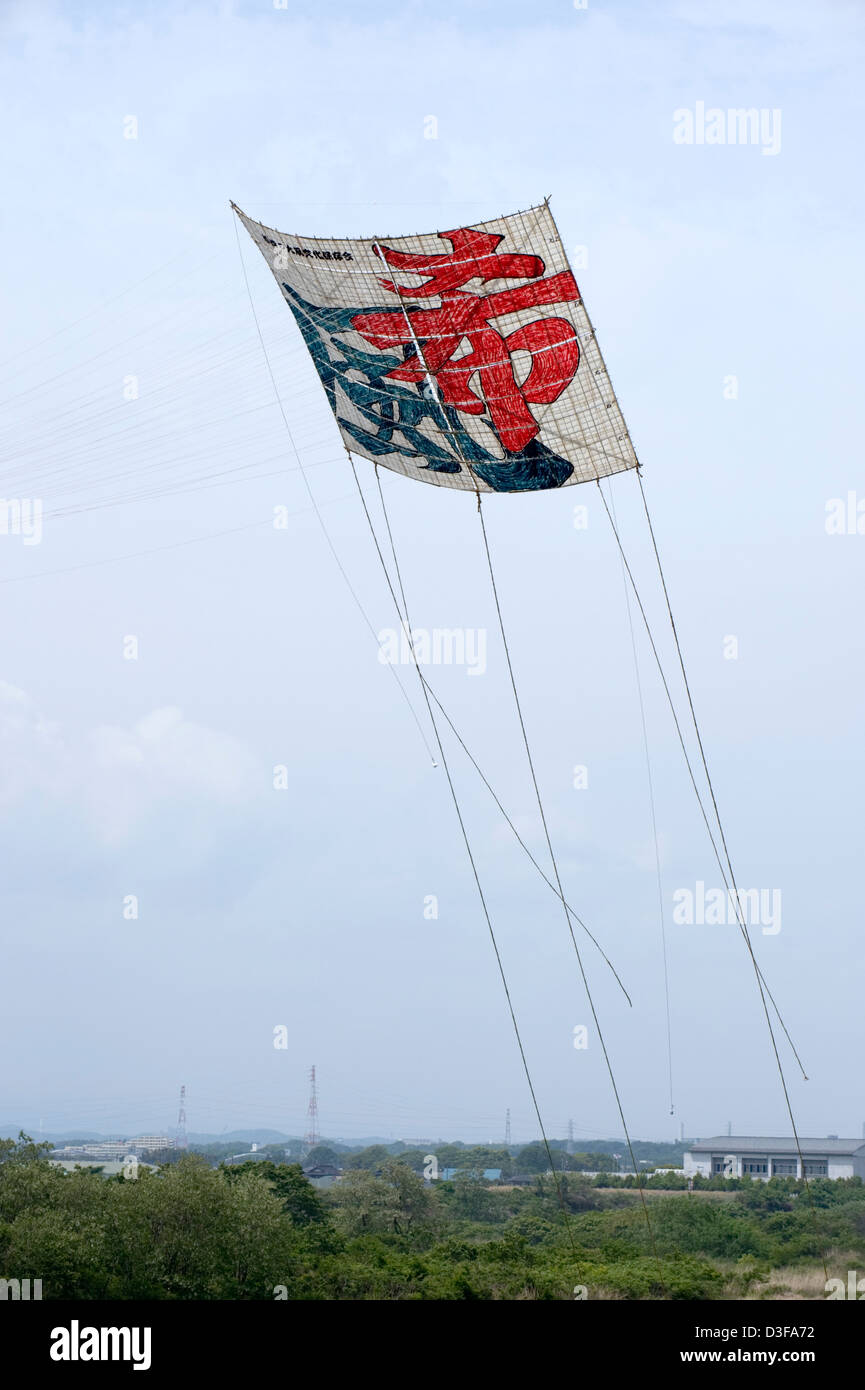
[{"x": 154, "y": 777}]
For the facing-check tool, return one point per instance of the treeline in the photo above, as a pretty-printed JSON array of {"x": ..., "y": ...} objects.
[
  {"x": 593, "y": 1155},
  {"x": 259, "y": 1230},
  {"x": 478, "y": 1158},
  {"x": 521, "y": 1160}
]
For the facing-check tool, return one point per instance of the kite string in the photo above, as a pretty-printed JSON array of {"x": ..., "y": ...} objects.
[
  {"x": 555, "y": 865},
  {"x": 430, "y": 692},
  {"x": 688, "y": 764},
  {"x": 651, "y": 791},
  {"x": 740, "y": 914},
  {"x": 311, "y": 494},
  {"x": 470, "y": 853},
  {"x": 433, "y": 388}
]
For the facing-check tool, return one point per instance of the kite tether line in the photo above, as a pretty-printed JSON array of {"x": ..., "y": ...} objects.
[
  {"x": 763, "y": 989},
  {"x": 555, "y": 865},
  {"x": 692, "y": 774},
  {"x": 430, "y": 692},
  {"x": 311, "y": 494},
  {"x": 432, "y": 387},
  {"x": 761, "y": 982},
  {"x": 762, "y": 986},
  {"x": 651, "y": 791},
  {"x": 469, "y": 852}
]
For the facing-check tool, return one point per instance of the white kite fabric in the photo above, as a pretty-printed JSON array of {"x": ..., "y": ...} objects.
[{"x": 462, "y": 358}]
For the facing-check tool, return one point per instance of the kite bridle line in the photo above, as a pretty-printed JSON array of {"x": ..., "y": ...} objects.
[
  {"x": 310, "y": 492},
  {"x": 697, "y": 792},
  {"x": 432, "y": 385},
  {"x": 686, "y": 754},
  {"x": 430, "y": 692},
  {"x": 761, "y": 984},
  {"x": 762, "y": 987},
  {"x": 531, "y": 764}
]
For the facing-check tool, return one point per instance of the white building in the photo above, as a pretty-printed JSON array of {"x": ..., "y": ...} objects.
[
  {"x": 114, "y": 1149},
  {"x": 732, "y": 1156},
  {"x": 150, "y": 1143},
  {"x": 110, "y": 1150}
]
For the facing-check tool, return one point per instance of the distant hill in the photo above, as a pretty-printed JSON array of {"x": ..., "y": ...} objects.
[
  {"x": 645, "y": 1151},
  {"x": 242, "y": 1136},
  {"x": 65, "y": 1136}
]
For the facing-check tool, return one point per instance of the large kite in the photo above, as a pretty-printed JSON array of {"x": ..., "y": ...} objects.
[
  {"x": 463, "y": 358},
  {"x": 466, "y": 358}
]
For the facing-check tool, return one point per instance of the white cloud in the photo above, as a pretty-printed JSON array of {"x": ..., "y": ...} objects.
[{"x": 118, "y": 777}]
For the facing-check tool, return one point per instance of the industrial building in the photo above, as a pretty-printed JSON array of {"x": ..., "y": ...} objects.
[
  {"x": 113, "y": 1150},
  {"x": 732, "y": 1156}
]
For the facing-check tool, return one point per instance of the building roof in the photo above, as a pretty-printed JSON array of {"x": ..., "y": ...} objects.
[
  {"x": 489, "y": 1174},
  {"x": 732, "y": 1143}
]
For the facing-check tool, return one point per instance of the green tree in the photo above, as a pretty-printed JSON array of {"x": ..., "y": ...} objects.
[
  {"x": 372, "y": 1158},
  {"x": 532, "y": 1159},
  {"x": 396, "y": 1201},
  {"x": 300, "y": 1201},
  {"x": 362, "y": 1203},
  {"x": 322, "y": 1153},
  {"x": 23, "y": 1149},
  {"x": 472, "y": 1200},
  {"x": 412, "y": 1197},
  {"x": 299, "y": 1198}
]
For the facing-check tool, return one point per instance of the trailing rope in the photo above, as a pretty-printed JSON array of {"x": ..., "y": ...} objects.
[
  {"x": 469, "y": 851},
  {"x": 311, "y": 494},
  {"x": 651, "y": 789},
  {"x": 761, "y": 985},
  {"x": 560, "y": 892},
  {"x": 689, "y": 765},
  {"x": 430, "y": 692}
]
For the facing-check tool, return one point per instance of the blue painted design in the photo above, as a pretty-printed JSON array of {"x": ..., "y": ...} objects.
[{"x": 388, "y": 407}]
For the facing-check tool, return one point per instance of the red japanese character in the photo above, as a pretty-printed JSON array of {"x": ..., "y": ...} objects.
[{"x": 436, "y": 334}]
